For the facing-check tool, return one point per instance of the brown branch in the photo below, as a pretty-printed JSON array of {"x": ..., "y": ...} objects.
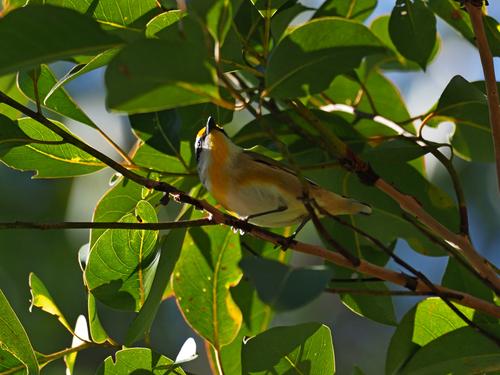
[
  {"x": 476, "y": 17},
  {"x": 222, "y": 218},
  {"x": 350, "y": 161},
  {"x": 107, "y": 225}
]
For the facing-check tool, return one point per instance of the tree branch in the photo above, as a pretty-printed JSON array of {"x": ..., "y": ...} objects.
[
  {"x": 219, "y": 217},
  {"x": 350, "y": 161},
  {"x": 476, "y": 16},
  {"x": 371, "y": 292},
  {"x": 107, "y": 225}
]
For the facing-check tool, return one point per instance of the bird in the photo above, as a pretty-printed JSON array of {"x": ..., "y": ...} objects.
[{"x": 258, "y": 189}]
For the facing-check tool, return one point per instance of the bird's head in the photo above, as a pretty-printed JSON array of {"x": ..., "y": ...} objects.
[{"x": 211, "y": 138}]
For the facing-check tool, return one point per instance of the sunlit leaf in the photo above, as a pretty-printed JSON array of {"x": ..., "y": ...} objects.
[
  {"x": 8, "y": 87},
  {"x": 122, "y": 262},
  {"x": 14, "y": 341},
  {"x": 80, "y": 333},
  {"x": 97, "y": 331},
  {"x": 41, "y": 298},
  {"x": 27, "y": 145},
  {"x": 162, "y": 21},
  {"x": 203, "y": 276},
  {"x": 301, "y": 349},
  {"x": 137, "y": 361},
  {"x": 353, "y": 9}
]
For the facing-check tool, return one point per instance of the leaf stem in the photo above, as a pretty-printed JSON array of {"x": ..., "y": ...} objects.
[{"x": 476, "y": 16}]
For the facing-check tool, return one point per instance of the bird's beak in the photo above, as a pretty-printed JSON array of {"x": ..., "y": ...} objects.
[{"x": 210, "y": 125}]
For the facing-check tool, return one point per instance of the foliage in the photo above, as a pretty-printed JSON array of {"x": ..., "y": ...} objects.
[{"x": 320, "y": 101}]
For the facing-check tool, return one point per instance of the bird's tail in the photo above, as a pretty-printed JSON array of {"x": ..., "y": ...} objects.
[{"x": 335, "y": 204}]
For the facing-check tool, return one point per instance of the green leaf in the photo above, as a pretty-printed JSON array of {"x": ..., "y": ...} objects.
[
  {"x": 412, "y": 27},
  {"x": 203, "y": 276},
  {"x": 428, "y": 321},
  {"x": 465, "y": 105},
  {"x": 28, "y": 145},
  {"x": 14, "y": 340},
  {"x": 60, "y": 101},
  {"x": 138, "y": 361},
  {"x": 463, "y": 351},
  {"x": 283, "y": 287},
  {"x": 146, "y": 76},
  {"x": 353, "y": 9},
  {"x": 169, "y": 254},
  {"x": 457, "y": 277},
  {"x": 377, "y": 308},
  {"x": 162, "y": 21},
  {"x": 401, "y": 347},
  {"x": 217, "y": 15},
  {"x": 392, "y": 59},
  {"x": 256, "y": 315},
  {"x": 119, "y": 201},
  {"x": 307, "y": 59},
  {"x": 301, "y": 349},
  {"x": 116, "y": 13},
  {"x": 267, "y": 8},
  {"x": 34, "y": 43},
  {"x": 97, "y": 331},
  {"x": 286, "y": 14},
  {"x": 385, "y": 96},
  {"x": 8, "y": 87},
  {"x": 122, "y": 262},
  {"x": 395, "y": 151},
  {"x": 492, "y": 29},
  {"x": 450, "y": 12},
  {"x": 80, "y": 69},
  {"x": 41, "y": 298}
]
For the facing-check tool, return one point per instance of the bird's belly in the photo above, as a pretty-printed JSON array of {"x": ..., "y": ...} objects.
[{"x": 258, "y": 199}]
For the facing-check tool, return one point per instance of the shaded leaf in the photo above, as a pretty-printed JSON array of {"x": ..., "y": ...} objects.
[
  {"x": 301, "y": 349},
  {"x": 80, "y": 69},
  {"x": 457, "y": 277},
  {"x": 14, "y": 342},
  {"x": 283, "y": 287},
  {"x": 59, "y": 102},
  {"x": 465, "y": 105},
  {"x": 27, "y": 145},
  {"x": 216, "y": 15},
  {"x": 286, "y": 14},
  {"x": 169, "y": 254},
  {"x": 33, "y": 43},
  {"x": 203, "y": 276},
  {"x": 122, "y": 262},
  {"x": 412, "y": 27},
  {"x": 146, "y": 76},
  {"x": 267, "y": 8},
  {"x": 137, "y": 361},
  {"x": 450, "y": 12},
  {"x": 41, "y": 298},
  {"x": 377, "y": 308},
  {"x": 307, "y": 59},
  {"x": 354, "y": 9}
]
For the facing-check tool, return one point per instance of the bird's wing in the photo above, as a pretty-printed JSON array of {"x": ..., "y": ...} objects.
[{"x": 259, "y": 158}]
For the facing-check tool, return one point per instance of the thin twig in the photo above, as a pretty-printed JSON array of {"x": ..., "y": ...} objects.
[
  {"x": 419, "y": 275},
  {"x": 371, "y": 292},
  {"x": 107, "y": 225},
  {"x": 476, "y": 17},
  {"x": 221, "y": 218}
]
